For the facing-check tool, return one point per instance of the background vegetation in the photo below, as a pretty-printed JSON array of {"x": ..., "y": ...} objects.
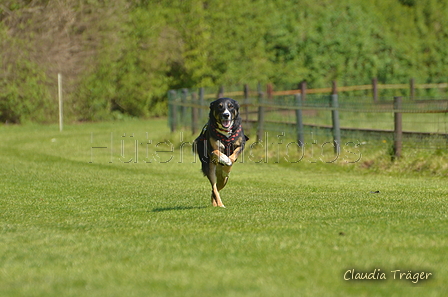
[{"x": 120, "y": 57}]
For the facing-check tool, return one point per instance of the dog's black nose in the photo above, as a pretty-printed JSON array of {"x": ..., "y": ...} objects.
[{"x": 225, "y": 115}]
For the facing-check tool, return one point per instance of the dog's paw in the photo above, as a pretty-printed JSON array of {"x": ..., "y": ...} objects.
[{"x": 224, "y": 160}]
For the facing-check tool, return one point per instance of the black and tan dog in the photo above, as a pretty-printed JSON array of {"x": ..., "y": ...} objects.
[{"x": 220, "y": 143}]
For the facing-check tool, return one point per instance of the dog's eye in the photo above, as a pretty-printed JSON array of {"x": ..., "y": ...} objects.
[
  {"x": 220, "y": 105},
  {"x": 230, "y": 105}
]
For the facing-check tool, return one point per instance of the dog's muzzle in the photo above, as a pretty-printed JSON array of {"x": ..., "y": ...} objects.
[{"x": 226, "y": 119}]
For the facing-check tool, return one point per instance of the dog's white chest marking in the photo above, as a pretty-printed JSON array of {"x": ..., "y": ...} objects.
[{"x": 226, "y": 133}]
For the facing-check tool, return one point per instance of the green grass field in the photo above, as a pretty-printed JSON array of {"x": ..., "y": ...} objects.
[{"x": 80, "y": 221}]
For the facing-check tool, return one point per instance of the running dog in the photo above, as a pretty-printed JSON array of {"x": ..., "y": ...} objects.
[{"x": 220, "y": 143}]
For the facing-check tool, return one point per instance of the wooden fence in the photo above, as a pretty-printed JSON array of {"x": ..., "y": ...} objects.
[
  {"x": 188, "y": 108},
  {"x": 374, "y": 87}
]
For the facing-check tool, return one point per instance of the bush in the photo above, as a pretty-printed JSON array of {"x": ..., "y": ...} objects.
[
  {"x": 123, "y": 56},
  {"x": 25, "y": 97}
]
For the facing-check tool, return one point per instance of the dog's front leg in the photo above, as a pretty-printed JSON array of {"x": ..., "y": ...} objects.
[
  {"x": 233, "y": 157},
  {"x": 216, "y": 198}
]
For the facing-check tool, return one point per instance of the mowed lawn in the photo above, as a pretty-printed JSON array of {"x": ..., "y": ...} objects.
[{"x": 110, "y": 209}]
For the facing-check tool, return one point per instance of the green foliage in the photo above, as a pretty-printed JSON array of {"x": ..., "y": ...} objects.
[
  {"x": 129, "y": 53},
  {"x": 24, "y": 95},
  {"x": 129, "y": 74}
]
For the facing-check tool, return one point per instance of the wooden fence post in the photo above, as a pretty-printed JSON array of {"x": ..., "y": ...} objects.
[
  {"x": 299, "y": 121},
  {"x": 375, "y": 89},
  {"x": 303, "y": 90},
  {"x": 61, "y": 117},
  {"x": 246, "y": 101},
  {"x": 260, "y": 114},
  {"x": 201, "y": 102},
  {"x": 412, "y": 86},
  {"x": 334, "y": 87},
  {"x": 194, "y": 114},
  {"x": 220, "y": 92},
  {"x": 398, "y": 128},
  {"x": 172, "y": 110},
  {"x": 183, "y": 108},
  {"x": 269, "y": 91},
  {"x": 335, "y": 120}
]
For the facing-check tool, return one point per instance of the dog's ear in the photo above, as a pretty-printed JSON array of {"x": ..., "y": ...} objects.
[
  {"x": 236, "y": 111},
  {"x": 236, "y": 105},
  {"x": 211, "y": 114}
]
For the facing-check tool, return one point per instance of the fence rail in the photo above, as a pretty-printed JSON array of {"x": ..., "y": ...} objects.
[
  {"x": 373, "y": 87},
  {"x": 405, "y": 121}
]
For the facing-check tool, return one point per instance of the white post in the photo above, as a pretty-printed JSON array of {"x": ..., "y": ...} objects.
[{"x": 60, "y": 101}]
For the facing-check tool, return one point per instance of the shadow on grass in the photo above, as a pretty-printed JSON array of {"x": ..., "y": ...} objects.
[{"x": 159, "y": 209}]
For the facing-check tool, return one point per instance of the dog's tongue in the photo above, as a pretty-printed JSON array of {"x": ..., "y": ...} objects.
[{"x": 225, "y": 123}]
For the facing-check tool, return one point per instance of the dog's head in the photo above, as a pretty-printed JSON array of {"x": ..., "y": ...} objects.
[{"x": 224, "y": 112}]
